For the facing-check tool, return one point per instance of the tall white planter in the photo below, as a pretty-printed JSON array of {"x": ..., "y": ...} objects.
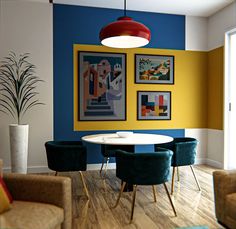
[{"x": 19, "y": 147}]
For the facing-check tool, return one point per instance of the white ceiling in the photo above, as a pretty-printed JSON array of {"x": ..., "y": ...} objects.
[{"x": 202, "y": 8}]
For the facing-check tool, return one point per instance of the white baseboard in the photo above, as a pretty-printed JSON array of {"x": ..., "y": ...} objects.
[
  {"x": 45, "y": 169},
  {"x": 213, "y": 163},
  {"x": 200, "y": 161},
  {"x": 31, "y": 169},
  {"x": 206, "y": 161},
  {"x": 98, "y": 166}
]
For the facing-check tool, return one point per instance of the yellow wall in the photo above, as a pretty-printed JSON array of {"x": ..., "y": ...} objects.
[
  {"x": 189, "y": 92},
  {"x": 215, "y": 88}
]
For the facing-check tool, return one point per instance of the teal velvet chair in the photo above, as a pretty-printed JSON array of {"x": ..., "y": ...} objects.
[
  {"x": 67, "y": 156},
  {"x": 109, "y": 151},
  {"x": 143, "y": 169},
  {"x": 185, "y": 150}
]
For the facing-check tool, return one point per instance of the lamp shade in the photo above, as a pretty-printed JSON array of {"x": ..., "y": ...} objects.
[{"x": 125, "y": 33}]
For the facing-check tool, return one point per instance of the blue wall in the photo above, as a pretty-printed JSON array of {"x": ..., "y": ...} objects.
[{"x": 81, "y": 25}]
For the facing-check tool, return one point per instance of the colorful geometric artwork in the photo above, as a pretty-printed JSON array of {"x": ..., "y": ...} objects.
[
  {"x": 154, "y": 105},
  {"x": 102, "y": 86},
  {"x": 154, "y": 69}
]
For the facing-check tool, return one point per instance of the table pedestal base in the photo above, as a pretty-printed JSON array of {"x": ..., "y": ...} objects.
[{"x": 128, "y": 187}]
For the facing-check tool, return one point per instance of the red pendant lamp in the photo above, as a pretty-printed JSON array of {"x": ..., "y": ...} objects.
[{"x": 125, "y": 33}]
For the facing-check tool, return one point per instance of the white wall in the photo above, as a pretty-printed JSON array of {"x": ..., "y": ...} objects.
[
  {"x": 196, "y": 33},
  {"x": 203, "y": 34},
  {"x": 202, "y": 136},
  {"x": 219, "y": 23},
  {"x": 27, "y": 27},
  {"x": 215, "y": 148}
]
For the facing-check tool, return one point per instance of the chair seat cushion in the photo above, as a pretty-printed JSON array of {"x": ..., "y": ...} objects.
[
  {"x": 31, "y": 215},
  {"x": 231, "y": 206}
]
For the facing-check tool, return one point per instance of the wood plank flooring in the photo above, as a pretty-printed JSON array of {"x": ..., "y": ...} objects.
[{"x": 193, "y": 207}]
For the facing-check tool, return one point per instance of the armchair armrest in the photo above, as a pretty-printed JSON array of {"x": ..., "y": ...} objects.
[
  {"x": 42, "y": 188},
  {"x": 1, "y": 167},
  {"x": 224, "y": 184}
]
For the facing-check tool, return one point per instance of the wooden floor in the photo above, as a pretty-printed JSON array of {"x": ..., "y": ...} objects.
[{"x": 193, "y": 207}]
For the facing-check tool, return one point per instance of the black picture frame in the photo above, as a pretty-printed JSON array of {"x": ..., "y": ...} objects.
[
  {"x": 153, "y": 105},
  {"x": 154, "y": 69},
  {"x": 102, "y": 86}
]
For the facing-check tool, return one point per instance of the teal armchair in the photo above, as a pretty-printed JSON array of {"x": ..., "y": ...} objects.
[
  {"x": 143, "y": 169},
  {"x": 185, "y": 150},
  {"x": 67, "y": 156},
  {"x": 109, "y": 151}
]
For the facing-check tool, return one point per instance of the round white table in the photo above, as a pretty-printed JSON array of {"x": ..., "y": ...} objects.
[
  {"x": 128, "y": 143},
  {"x": 134, "y": 139}
]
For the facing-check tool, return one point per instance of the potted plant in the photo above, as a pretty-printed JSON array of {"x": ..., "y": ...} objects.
[{"x": 18, "y": 94}]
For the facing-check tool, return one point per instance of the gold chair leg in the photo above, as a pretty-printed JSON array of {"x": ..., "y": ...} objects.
[
  {"x": 173, "y": 181},
  {"x": 154, "y": 193},
  {"x": 105, "y": 172},
  {"x": 102, "y": 167},
  {"x": 195, "y": 178},
  {"x": 178, "y": 173},
  {"x": 133, "y": 202},
  {"x": 84, "y": 185},
  {"x": 121, "y": 191},
  {"x": 168, "y": 194}
]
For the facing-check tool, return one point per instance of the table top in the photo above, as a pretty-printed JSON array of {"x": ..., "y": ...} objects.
[{"x": 134, "y": 139}]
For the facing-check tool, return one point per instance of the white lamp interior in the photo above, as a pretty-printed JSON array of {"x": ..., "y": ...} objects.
[{"x": 125, "y": 42}]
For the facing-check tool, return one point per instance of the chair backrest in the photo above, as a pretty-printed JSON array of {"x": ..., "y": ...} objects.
[
  {"x": 185, "y": 151},
  {"x": 66, "y": 155},
  {"x": 144, "y": 168}
]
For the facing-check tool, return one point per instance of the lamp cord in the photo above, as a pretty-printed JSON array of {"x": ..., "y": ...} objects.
[{"x": 125, "y": 8}]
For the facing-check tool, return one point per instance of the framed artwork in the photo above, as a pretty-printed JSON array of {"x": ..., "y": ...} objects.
[
  {"x": 154, "y": 105},
  {"x": 102, "y": 86},
  {"x": 154, "y": 69}
]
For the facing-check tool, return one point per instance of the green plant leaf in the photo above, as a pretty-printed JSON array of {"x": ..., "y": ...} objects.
[
  {"x": 18, "y": 85},
  {"x": 6, "y": 107}
]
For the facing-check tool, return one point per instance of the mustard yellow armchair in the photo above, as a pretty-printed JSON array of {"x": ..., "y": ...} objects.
[
  {"x": 225, "y": 197},
  {"x": 39, "y": 201}
]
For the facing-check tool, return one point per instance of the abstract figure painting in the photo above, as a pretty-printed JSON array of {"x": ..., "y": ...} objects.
[
  {"x": 102, "y": 86},
  {"x": 154, "y": 105},
  {"x": 154, "y": 69}
]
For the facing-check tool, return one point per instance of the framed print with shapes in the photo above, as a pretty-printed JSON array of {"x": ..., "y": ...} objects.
[
  {"x": 102, "y": 86},
  {"x": 154, "y": 69},
  {"x": 154, "y": 105}
]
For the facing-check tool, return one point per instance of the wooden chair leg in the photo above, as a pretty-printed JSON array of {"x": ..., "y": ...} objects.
[
  {"x": 84, "y": 185},
  {"x": 199, "y": 187},
  {"x": 56, "y": 173},
  {"x": 133, "y": 202},
  {"x": 178, "y": 173},
  {"x": 173, "y": 181},
  {"x": 154, "y": 193},
  {"x": 120, "y": 194},
  {"x": 168, "y": 194}
]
